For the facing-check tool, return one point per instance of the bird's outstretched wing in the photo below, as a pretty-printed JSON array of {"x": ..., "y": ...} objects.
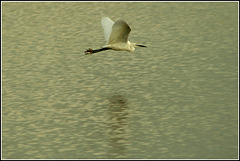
[
  {"x": 107, "y": 24},
  {"x": 120, "y": 32}
]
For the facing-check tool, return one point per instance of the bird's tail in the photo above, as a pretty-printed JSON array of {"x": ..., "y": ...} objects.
[{"x": 91, "y": 51}]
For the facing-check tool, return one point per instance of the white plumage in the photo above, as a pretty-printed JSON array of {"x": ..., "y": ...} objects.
[{"x": 116, "y": 36}]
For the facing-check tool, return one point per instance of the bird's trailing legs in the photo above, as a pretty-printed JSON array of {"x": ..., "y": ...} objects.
[{"x": 91, "y": 51}]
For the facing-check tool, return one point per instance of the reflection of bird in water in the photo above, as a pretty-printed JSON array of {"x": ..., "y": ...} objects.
[
  {"x": 116, "y": 35},
  {"x": 117, "y": 126}
]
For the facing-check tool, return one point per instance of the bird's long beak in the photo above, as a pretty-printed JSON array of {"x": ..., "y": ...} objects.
[{"x": 141, "y": 46}]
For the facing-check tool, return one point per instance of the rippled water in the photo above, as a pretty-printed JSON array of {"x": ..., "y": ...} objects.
[{"x": 175, "y": 99}]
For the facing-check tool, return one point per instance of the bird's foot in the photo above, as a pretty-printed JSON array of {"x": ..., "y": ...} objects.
[{"x": 89, "y": 51}]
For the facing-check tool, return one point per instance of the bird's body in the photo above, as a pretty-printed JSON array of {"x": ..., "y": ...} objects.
[
  {"x": 121, "y": 46},
  {"x": 116, "y": 36}
]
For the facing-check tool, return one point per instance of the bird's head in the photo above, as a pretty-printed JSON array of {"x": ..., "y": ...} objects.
[{"x": 133, "y": 45}]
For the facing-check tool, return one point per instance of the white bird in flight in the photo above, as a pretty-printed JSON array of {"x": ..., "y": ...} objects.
[{"x": 116, "y": 36}]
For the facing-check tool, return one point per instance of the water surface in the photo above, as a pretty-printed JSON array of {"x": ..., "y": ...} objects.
[{"x": 176, "y": 99}]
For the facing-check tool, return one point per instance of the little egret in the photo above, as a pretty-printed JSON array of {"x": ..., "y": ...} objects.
[{"x": 116, "y": 35}]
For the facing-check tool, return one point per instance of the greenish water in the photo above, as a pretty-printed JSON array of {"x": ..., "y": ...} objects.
[{"x": 176, "y": 99}]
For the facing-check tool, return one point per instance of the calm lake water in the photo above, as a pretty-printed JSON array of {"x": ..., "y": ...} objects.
[{"x": 175, "y": 99}]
